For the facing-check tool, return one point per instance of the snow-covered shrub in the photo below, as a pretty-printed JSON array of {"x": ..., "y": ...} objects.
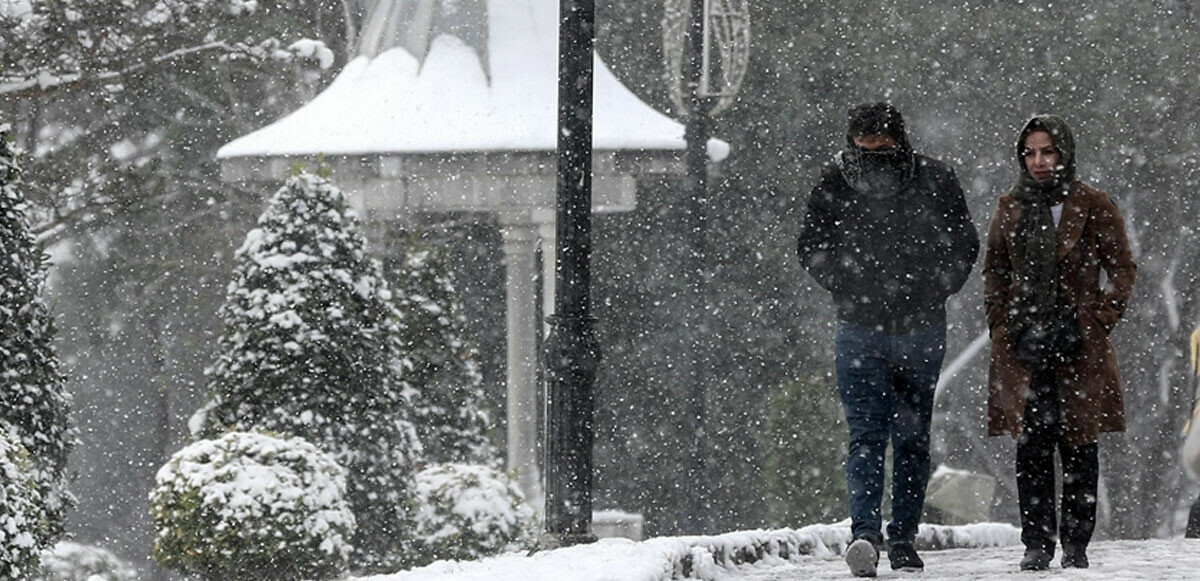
[
  {"x": 437, "y": 360},
  {"x": 67, "y": 561},
  {"x": 249, "y": 506},
  {"x": 21, "y": 516},
  {"x": 309, "y": 349},
  {"x": 469, "y": 512},
  {"x": 33, "y": 403}
]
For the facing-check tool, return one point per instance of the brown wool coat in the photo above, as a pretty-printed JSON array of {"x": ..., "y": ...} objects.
[{"x": 1090, "y": 237}]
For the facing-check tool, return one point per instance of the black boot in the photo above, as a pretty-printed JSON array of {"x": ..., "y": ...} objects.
[
  {"x": 1036, "y": 560},
  {"x": 1074, "y": 557},
  {"x": 903, "y": 557}
]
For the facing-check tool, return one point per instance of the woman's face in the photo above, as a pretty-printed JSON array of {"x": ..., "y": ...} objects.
[{"x": 1041, "y": 157}]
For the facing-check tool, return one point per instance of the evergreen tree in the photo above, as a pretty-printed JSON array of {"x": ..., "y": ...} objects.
[
  {"x": 438, "y": 361},
  {"x": 122, "y": 181},
  {"x": 33, "y": 404},
  {"x": 311, "y": 349},
  {"x": 804, "y": 451}
]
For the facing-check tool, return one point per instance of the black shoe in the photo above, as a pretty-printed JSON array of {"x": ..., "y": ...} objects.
[
  {"x": 1074, "y": 557},
  {"x": 904, "y": 557},
  {"x": 1036, "y": 560},
  {"x": 862, "y": 557}
]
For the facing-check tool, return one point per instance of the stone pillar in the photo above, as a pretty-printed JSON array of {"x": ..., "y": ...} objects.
[
  {"x": 546, "y": 233},
  {"x": 520, "y": 240}
]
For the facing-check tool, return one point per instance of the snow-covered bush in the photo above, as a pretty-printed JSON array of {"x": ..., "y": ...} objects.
[
  {"x": 33, "y": 403},
  {"x": 437, "y": 360},
  {"x": 250, "y": 506},
  {"x": 310, "y": 348},
  {"x": 21, "y": 516},
  {"x": 469, "y": 512},
  {"x": 67, "y": 561}
]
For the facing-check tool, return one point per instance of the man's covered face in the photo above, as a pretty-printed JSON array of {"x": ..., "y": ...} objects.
[
  {"x": 883, "y": 164},
  {"x": 875, "y": 141}
]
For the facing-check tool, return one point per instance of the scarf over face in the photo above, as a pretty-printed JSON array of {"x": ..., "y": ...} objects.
[
  {"x": 1034, "y": 240},
  {"x": 882, "y": 173}
]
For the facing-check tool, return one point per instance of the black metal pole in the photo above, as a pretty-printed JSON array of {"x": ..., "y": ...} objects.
[
  {"x": 696, "y": 133},
  {"x": 572, "y": 352}
]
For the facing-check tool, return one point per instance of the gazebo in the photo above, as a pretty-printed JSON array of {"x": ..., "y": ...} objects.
[{"x": 450, "y": 105}]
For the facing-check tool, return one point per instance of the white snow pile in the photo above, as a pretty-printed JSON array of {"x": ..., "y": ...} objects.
[{"x": 679, "y": 558}]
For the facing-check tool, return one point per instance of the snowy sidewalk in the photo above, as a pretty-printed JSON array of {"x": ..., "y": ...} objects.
[
  {"x": 813, "y": 553},
  {"x": 782, "y": 553},
  {"x": 1160, "y": 559}
]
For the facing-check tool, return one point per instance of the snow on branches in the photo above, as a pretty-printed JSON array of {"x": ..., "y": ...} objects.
[
  {"x": 249, "y": 506},
  {"x": 72, "y": 43},
  {"x": 309, "y": 350},
  {"x": 33, "y": 402}
]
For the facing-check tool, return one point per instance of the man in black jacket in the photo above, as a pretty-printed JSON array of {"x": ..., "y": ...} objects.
[{"x": 888, "y": 234}]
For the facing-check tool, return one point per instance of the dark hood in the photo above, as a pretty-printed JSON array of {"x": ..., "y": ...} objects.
[
  {"x": 877, "y": 174},
  {"x": 1064, "y": 141}
]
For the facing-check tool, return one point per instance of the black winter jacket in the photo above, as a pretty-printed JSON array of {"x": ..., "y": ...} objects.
[{"x": 890, "y": 262}]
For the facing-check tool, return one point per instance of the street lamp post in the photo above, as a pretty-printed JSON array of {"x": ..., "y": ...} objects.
[
  {"x": 572, "y": 352},
  {"x": 697, "y": 131},
  {"x": 706, "y": 46}
]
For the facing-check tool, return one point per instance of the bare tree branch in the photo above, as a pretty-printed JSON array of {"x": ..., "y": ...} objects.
[{"x": 47, "y": 83}]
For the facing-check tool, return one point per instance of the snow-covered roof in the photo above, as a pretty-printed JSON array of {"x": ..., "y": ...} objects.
[
  {"x": 460, "y": 99},
  {"x": 15, "y": 8}
]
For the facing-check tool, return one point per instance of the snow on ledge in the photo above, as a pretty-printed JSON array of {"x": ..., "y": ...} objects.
[{"x": 697, "y": 558}]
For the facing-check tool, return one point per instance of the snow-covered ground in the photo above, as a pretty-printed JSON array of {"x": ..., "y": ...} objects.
[
  {"x": 813, "y": 553},
  {"x": 708, "y": 558},
  {"x": 1159, "y": 560}
]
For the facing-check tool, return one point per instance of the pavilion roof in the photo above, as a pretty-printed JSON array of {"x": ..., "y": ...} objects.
[{"x": 456, "y": 97}]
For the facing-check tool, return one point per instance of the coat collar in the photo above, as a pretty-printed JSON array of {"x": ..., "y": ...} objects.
[{"x": 1070, "y": 225}]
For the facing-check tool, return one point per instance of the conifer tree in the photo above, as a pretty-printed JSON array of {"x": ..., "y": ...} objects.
[
  {"x": 33, "y": 403},
  {"x": 310, "y": 349},
  {"x": 437, "y": 360}
]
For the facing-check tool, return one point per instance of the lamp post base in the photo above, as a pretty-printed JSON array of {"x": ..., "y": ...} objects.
[{"x": 551, "y": 541}]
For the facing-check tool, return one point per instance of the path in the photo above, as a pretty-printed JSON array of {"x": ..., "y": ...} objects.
[{"x": 1158, "y": 560}]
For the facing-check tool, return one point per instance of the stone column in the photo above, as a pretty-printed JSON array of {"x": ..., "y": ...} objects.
[
  {"x": 520, "y": 240},
  {"x": 546, "y": 232}
]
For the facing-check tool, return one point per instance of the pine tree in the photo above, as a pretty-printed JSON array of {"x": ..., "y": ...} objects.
[
  {"x": 33, "y": 403},
  {"x": 311, "y": 350},
  {"x": 438, "y": 361}
]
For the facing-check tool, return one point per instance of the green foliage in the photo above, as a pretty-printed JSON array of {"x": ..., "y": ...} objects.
[
  {"x": 804, "y": 455},
  {"x": 33, "y": 402},
  {"x": 248, "y": 507},
  {"x": 124, "y": 188},
  {"x": 22, "y": 520},
  {"x": 311, "y": 349},
  {"x": 469, "y": 512},
  {"x": 437, "y": 357},
  {"x": 68, "y": 561}
]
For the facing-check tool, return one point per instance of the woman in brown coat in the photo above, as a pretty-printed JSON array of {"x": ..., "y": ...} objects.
[{"x": 1053, "y": 379}]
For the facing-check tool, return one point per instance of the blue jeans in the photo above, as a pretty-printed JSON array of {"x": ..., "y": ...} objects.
[{"x": 886, "y": 382}]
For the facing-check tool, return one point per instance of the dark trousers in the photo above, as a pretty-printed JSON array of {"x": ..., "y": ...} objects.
[
  {"x": 1042, "y": 434},
  {"x": 886, "y": 382}
]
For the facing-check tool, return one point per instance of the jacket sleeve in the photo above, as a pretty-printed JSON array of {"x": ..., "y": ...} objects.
[
  {"x": 817, "y": 244},
  {"x": 964, "y": 239},
  {"x": 1117, "y": 259},
  {"x": 997, "y": 273}
]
